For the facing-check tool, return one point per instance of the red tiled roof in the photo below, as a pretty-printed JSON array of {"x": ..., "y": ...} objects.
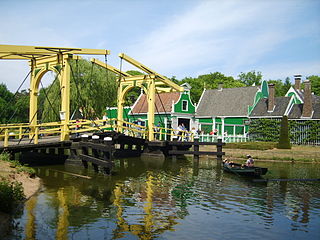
[{"x": 166, "y": 106}]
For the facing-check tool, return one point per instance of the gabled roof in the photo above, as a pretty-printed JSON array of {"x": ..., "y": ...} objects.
[
  {"x": 226, "y": 102},
  {"x": 296, "y": 111},
  {"x": 165, "y": 105},
  {"x": 261, "y": 108},
  {"x": 300, "y": 93}
]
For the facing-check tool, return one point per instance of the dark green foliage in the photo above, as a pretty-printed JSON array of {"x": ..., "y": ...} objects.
[
  {"x": 299, "y": 131},
  {"x": 315, "y": 84},
  {"x": 209, "y": 81},
  {"x": 93, "y": 88},
  {"x": 284, "y": 141},
  {"x": 252, "y": 145},
  {"x": 10, "y": 195},
  {"x": 250, "y": 78},
  {"x": 310, "y": 130},
  {"x": 280, "y": 87},
  {"x": 266, "y": 130}
]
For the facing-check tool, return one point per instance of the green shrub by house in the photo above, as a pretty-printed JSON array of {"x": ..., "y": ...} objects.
[{"x": 284, "y": 141}]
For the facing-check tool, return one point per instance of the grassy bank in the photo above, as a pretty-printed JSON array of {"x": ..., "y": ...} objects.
[
  {"x": 17, "y": 182},
  {"x": 267, "y": 151}
]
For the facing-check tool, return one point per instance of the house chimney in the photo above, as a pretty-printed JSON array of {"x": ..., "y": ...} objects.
[
  {"x": 297, "y": 82},
  {"x": 220, "y": 86},
  {"x": 307, "y": 105},
  {"x": 271, "y": 97}
]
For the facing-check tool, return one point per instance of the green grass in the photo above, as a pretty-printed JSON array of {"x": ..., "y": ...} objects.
[
  {"x": 17, "y": 165},
  {"x": 252, "y": 145}
]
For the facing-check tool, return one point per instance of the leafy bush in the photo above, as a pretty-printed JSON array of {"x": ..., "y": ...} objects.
[
  {"x": 284, "y": 141},
  {"x": 252, "y": 145},
  {"x": 10, "y": 195}
]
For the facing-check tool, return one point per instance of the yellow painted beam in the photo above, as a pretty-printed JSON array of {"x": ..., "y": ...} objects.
[
  {"x": 29, "y": 52},
  {"x": 144, "y": 68},
  {"x": 109, "y": 67}
]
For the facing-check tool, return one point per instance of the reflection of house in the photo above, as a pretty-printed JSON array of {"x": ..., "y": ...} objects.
[{"x": 227, "y": 109}]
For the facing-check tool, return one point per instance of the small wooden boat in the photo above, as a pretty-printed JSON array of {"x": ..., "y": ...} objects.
[{"x": 240, "y": 170}]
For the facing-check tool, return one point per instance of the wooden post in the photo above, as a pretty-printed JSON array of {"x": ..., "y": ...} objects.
[
  {"x": 52, "y": 151},
  {"x": 219, "y": 149},
  {"x": 107, "y": 155},
  {"x": 95, "y": 167},
  {"x": 174, "y": 147},
  {"x": 84, "y": 138},
  {"x": 196, "y": 148}
]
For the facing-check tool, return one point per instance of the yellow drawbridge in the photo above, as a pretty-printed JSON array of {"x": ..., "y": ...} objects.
[{"x": 57, "y": 59}]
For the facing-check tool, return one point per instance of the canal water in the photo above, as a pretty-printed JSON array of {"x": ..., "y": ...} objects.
[{"x": 167, "y": 199}]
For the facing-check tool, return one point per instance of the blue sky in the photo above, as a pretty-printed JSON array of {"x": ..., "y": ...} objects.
[{"x": 185, "y": 38}]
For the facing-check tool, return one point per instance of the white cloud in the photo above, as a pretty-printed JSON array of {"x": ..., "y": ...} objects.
[
  {"x": 216, "y": 35},
  {"x": 190, "y": 38}
]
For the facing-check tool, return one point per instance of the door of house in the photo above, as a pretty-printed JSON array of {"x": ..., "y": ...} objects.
[{"x": 185, "y": 121}]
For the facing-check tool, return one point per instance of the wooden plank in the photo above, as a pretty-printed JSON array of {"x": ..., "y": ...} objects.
[
  {"x": 178, "y": 152},
  {"x": 97, "y": 146},
  {"x": 94, "y": 160},
  {"x": 156, "y": 143},
  {"x": 72, "y": 174}
]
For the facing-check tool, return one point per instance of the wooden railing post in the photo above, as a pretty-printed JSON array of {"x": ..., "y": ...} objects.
[
  {"x": 36, "y": 137},
  {"x": 219, "y": 149},
  {"x": 20, "y": 132},
  {"x": 6, "y": 138}
]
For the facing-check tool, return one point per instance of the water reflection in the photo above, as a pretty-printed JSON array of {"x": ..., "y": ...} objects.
[{"x": 149, "y": 199}]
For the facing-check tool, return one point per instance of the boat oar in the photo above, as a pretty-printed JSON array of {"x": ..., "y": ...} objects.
[{"x": 287, "y": 180}]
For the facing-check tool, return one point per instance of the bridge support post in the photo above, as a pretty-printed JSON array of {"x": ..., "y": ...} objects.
[
  {"x": 65, "y": 99},
  {"x": 151, "y": 102},
  {"x": 6, "y": 138}
]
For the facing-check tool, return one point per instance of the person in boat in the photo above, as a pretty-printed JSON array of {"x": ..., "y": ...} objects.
[
  {"x": 228, "y": 163},
  {"x": 250, "y": 161}
]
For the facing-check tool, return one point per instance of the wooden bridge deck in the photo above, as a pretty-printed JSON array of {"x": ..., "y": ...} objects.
[{"x": 25, "y": 144}]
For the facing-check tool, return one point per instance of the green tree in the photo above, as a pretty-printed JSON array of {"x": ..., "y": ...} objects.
[
  {"x": 209, "y": 81},
  {"x": 278, "y": 84},
  {"x": 93, "y": 88},
  {"x": 284, "y": 141},
  {"x": 22, "y": 107},
  {"x": 315, "y": 84},
  {"x": 250, "y": 78},
  {"x": 286, "y": 86},
  {"x": 6, "y": 103}
]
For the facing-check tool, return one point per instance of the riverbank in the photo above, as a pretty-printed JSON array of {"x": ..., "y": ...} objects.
[
  {"x": 12, "y": 174},
  {"x": 296, "y": 154}
]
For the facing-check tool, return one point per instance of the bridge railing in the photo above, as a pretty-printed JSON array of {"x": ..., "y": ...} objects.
[
  {"x": 162, "y": 134},
  {"x": 17, "y": 132}
]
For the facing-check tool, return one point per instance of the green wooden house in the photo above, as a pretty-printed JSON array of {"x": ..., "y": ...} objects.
[
  {"x": 171, "y": 110},
  {"x": 225, "y": 111}
]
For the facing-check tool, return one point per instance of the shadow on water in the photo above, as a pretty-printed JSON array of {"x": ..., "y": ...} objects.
[{"x": 151, "y": 198}]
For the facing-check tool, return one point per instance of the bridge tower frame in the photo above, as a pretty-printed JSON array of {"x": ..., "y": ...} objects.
[{"x": 42, "y": 60}]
